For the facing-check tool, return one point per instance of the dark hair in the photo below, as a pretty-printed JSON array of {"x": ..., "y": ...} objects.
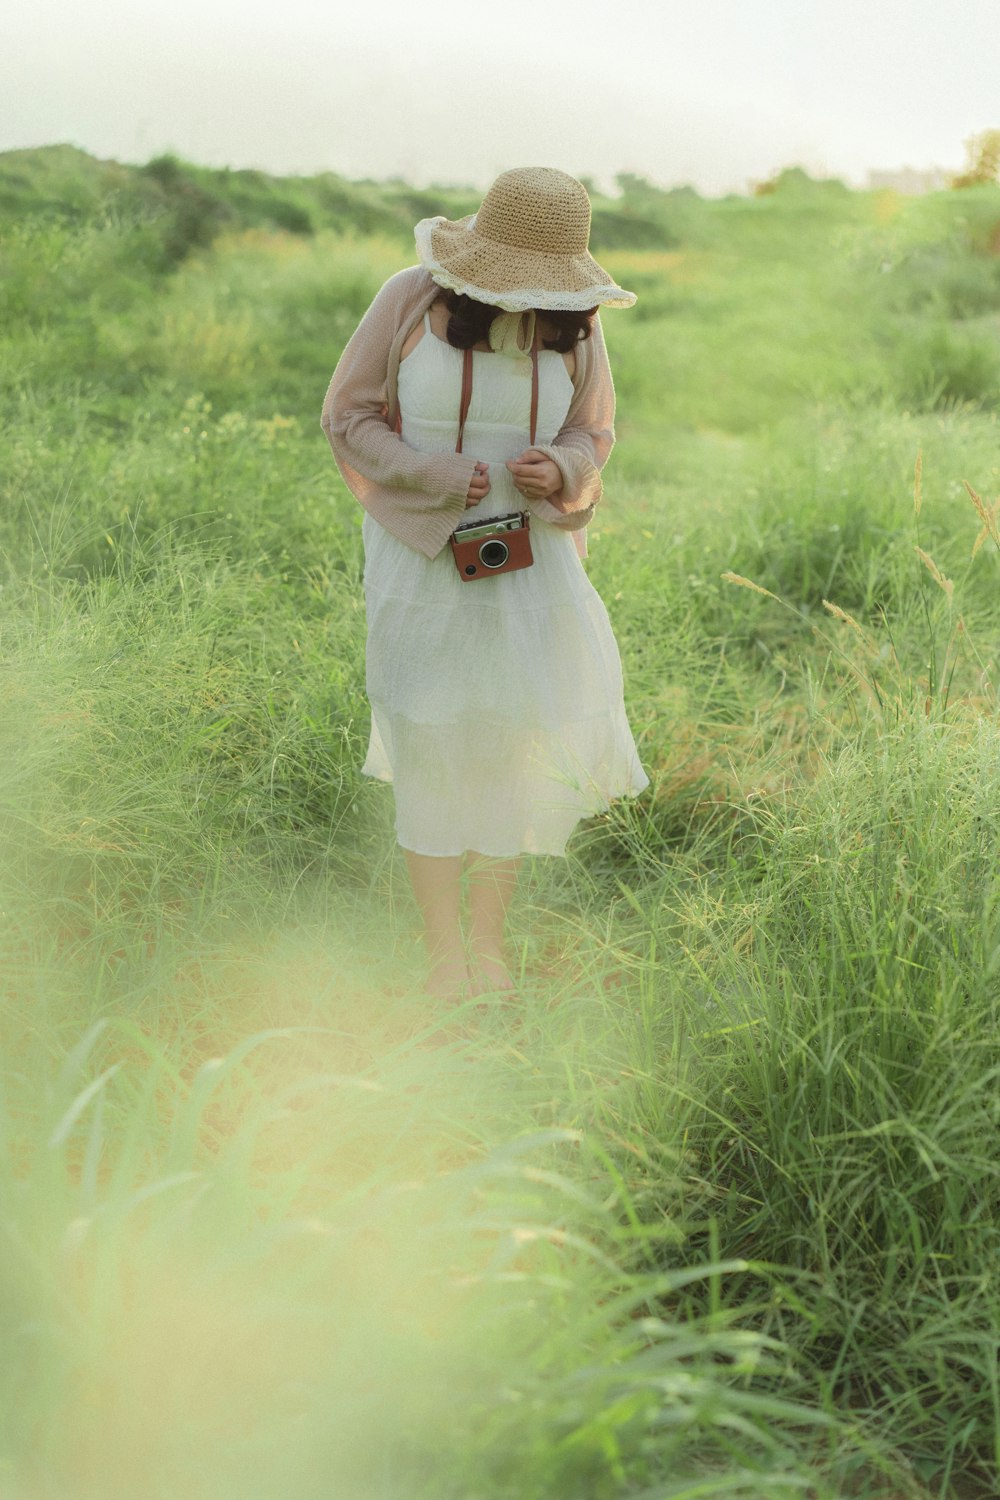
[{"x": 470, "y": 323}]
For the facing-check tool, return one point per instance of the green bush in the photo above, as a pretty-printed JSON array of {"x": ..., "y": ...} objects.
[{"x": 939, "y": 366}]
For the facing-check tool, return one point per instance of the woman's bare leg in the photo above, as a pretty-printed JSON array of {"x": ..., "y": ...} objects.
[
  {"x": 437, "y": 887},
  {"x": 492, "y": 883}
]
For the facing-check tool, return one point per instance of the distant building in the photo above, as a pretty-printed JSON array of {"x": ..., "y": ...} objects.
[{"x": 909, "y": 180}]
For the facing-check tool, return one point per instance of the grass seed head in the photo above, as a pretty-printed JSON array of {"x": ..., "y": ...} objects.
[
  {"x": 841, "y": 614},
  {"x": 990, "y": 517},
  {"x": 935, "y": 571},
  {"x": 747, "y": 583}
]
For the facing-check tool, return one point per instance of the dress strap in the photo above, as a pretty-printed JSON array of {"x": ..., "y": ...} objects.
[{"x": 427, "y": 321}]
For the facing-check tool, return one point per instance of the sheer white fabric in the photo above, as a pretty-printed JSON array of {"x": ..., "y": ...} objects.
[{"x": 497, "y": 707}]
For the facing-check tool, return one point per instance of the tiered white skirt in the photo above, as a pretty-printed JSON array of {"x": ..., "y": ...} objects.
[{"x": 497, "y": 705}]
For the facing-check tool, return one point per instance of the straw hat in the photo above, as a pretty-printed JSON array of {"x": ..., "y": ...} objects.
[{"x": 526, "y": 247}]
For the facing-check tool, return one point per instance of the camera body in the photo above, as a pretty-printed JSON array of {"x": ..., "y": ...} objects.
[{"x": 485, "y": 548}]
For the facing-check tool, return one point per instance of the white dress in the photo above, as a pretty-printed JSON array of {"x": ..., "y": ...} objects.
[{"x": 497, "y": 707}]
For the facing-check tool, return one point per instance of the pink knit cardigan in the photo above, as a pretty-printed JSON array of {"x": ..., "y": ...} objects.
[{"x": 420, "y": 497}]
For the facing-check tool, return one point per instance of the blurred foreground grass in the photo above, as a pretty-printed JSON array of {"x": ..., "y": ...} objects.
[{"x": 712, "y": 1210}]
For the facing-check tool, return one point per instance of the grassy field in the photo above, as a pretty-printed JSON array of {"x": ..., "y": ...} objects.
[{"x": 714, "y": 1211}]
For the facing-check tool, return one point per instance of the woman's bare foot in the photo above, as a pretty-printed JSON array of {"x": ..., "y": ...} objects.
[
  {"x": 490, "y": 973},
  {"x": 449, "y": 978}
]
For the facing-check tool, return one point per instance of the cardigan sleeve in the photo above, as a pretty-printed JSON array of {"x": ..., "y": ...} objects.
[
  {"x": 581, "y": 447},
  {"x": 419, "y": 497}
]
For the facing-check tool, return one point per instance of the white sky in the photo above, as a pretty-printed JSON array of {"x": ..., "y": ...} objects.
[{"x": 712, "y": 92}]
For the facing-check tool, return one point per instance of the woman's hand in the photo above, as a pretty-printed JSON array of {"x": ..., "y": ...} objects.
[
  {"x": 480, "y": 486},
  {"x": 535, "y": 476}
]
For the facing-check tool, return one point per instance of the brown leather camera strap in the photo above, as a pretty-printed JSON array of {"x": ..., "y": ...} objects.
[
  {"x": 466, "y": 398},
  {"x": 534, "y": 390},
  {"x": 463, "y": 405}
]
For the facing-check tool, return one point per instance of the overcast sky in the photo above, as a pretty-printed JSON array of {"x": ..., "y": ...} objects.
[{"x": 711, "y": 92}]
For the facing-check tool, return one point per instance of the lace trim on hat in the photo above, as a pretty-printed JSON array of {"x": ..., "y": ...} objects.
[{"x": 521, "y": 299}]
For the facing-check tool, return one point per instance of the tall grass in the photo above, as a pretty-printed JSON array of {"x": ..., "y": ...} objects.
[{"x": 712, "y": 1210}]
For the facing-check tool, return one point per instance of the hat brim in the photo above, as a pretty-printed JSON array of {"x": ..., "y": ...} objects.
[{"x": 515, "y": 280}]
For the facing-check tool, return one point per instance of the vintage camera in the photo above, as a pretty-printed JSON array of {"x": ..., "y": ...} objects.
[{"x": 499, "y": 545}]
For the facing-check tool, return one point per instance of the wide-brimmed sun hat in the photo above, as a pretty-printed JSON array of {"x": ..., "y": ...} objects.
[{"x": 526, "y": 247}]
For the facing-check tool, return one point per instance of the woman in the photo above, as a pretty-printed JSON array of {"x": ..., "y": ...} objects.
[{"x": 478, "y": 382}]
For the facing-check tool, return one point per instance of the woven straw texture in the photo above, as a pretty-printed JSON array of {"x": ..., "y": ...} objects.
[{"x": 526, "y": 247}]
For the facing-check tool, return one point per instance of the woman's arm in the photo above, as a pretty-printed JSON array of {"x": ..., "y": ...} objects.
[
  {"x": 581, "y": 448},
  {"x": 420, "y": 497}
]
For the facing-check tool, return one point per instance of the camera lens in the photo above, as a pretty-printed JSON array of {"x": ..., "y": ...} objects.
[{"x": 494, "y": 554}]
